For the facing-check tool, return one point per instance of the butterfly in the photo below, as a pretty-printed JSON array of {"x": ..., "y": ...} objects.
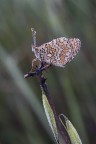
[{"x": 57, "y": 52}]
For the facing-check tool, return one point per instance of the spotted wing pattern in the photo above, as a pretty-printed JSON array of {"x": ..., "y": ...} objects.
[{"x": 59, "y": 51}]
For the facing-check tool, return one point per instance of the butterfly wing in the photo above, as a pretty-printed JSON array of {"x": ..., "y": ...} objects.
[{"x": 59, "y": 51}]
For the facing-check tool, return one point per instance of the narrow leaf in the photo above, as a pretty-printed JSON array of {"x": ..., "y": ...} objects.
[
  {"x": 72, "y": 132},
  {"x": 50, "y": 116}
]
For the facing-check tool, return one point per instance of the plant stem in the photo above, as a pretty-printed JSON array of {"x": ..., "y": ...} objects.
[{"x": 61, "y": 129}]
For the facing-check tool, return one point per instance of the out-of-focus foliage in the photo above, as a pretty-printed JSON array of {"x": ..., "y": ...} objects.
[{"x": 73, "y": 88}]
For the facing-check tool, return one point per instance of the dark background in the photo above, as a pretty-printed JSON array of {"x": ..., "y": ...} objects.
[{"x": 73, "y": 88}]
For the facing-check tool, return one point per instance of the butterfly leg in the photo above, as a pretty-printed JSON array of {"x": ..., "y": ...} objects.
[
  {"x": 33, "y": 61},
  {"x": 44, "y": 67}
]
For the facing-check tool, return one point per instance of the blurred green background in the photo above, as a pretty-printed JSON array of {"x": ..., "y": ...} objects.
[{"x": 73, "y": 88}]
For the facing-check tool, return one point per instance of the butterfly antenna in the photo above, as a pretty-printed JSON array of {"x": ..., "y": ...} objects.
[{"x": 34, "y": 37}]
